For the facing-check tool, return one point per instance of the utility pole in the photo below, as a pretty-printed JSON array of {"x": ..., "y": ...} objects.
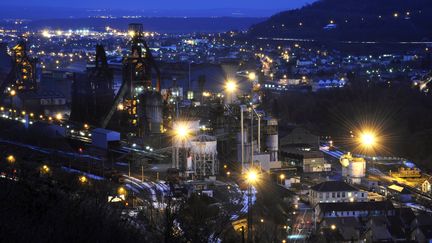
[
  {"x": 252, "y": 139},
  {"x": 242, "y": 137},
  {"x": 249, "y": 216}
]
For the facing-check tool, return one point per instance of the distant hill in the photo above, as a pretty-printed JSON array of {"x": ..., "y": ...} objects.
[{"x": 353, "y": 20}]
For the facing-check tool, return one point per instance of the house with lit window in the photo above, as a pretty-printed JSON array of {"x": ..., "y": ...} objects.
[
  {"x": 426, "y": 186},
  {"x": 354, "y": 209},
  {"x": 335, "y": 191}
]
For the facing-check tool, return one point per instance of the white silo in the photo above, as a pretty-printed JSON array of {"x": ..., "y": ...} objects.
[{"x": 354, "y": 169}]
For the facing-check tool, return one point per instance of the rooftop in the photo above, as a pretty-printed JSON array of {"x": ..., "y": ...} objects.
[
  {"x": 333, "y": 186},
  {"x": 356, "y": 206}
]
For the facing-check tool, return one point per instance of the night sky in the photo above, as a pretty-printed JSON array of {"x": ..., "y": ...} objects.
[{"x": 163, "y": 4}]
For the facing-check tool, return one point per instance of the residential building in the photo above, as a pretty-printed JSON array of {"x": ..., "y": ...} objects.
[
  {"x": 335, "y": 191},
  {"x": 354, "y": 209}
]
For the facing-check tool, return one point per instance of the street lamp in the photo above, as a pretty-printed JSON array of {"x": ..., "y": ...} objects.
[
  {"x": 252, "y": 76},
  {"x": 230, "y": 88},
  {"x": 368, "y": 139},
  {"x": 59, "y": 116},
  {"x": 45, "y": 169},
  {"x": 252, "y": 178},
  {"x": 282, "y": 177},
  {"x": 83, "y": 179},
  {"x": 11, "y": 159},
  {"x": 121, "y": 191},
  {"x": 181, "y": 132}
]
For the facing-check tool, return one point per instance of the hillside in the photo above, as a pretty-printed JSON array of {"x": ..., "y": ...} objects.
[{"x": 354, "y": 20}]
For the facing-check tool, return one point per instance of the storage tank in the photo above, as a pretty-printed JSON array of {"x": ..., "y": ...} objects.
[
  {"x": 152, "y": 104},
  {"x": 204, "y": 155},
  {"x": 353, "y": 168},
  {"x": 272, "y": 139}
]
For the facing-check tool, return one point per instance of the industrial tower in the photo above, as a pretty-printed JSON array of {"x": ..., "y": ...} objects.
[
  {"x": 138, "y": 100},
  {"x": 93, "y": 94},
  {"x": 22, "y": 77}
]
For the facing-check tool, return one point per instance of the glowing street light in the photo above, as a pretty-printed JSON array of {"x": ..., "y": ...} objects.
[
  {"x": 230, "y": 86},
  {"x": 12, "y": 92},
  {"x": 59, "y": 116},
  {"x": 45, "y": 169},
  {"x": 251, "y": 177},
  {"x": 181, "y": 130},
  {"x": 333, "y": 227},
  {"x": 132, "y": 33},
  {"x": 83, "y": 179},
  {"x": 121, "y": 191},
  {"x": 368, "y": 139},
  {"x": 252, "y": 76},
  {"x": 11, "y": 159},
  {"x": 282, "y": 177}
]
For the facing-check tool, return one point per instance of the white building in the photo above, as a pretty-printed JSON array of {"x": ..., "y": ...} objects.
[{"x": 335, "y": 191}]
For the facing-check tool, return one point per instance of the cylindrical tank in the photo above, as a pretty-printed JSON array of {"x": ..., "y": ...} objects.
[
  {"x": 353, "y": 168},
  {"x": 247, "y": 146},
  {"x": 152, "y": 103},
  {"x": 272, "y": 138},
  {"x": 357, "y": 169},
  {"x": 272, "y": 147}
]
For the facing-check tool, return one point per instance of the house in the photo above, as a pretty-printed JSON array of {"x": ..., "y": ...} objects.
[
  {"x": 426, "y": 186},
  {"x": 373, "y": 228},
  {"x": 347, "y": 229},
  {"x": 354, "y": 209},
  {"x": 335, "y": 191}
]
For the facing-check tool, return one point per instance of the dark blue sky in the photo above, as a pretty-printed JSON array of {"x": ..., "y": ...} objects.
[{"x": 164, "y": 4}]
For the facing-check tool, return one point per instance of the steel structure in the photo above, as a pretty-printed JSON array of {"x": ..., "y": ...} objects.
[
  {"x": 204, "y": 155},
  {"x": 94, "y": 93},
  {"x": 140, "y": 102},
  {"x": 22, "y": 77}
]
